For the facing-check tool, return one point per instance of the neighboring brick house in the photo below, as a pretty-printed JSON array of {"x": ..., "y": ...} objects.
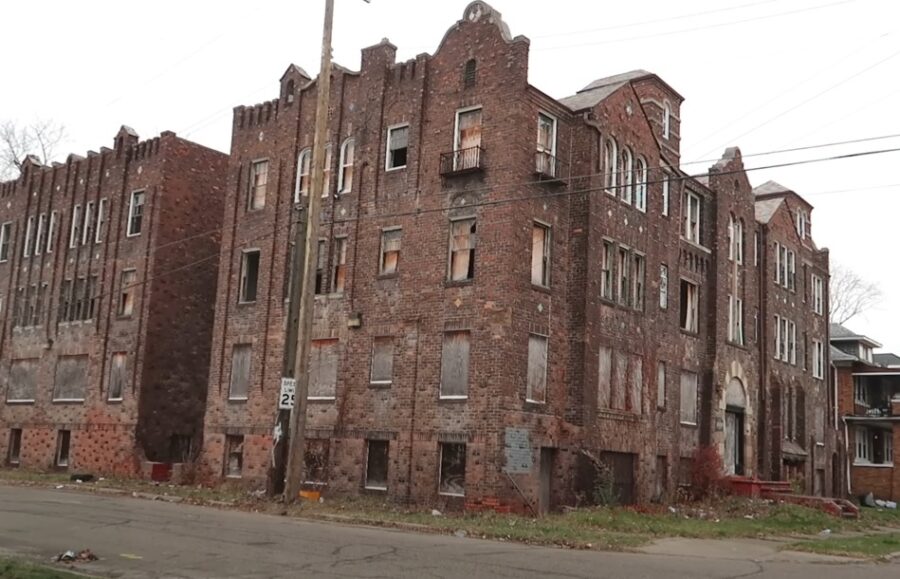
[
  {"x": 869, "y": 395},
  {"x": 510, "y": 286},
  {"x": 106, "y": 305},
  {"x": 801, "y": 440}
]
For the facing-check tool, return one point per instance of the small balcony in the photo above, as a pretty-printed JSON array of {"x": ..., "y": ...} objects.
[
  {"x": 548, "y": 167},
  {"x": 462, "y": 161}
]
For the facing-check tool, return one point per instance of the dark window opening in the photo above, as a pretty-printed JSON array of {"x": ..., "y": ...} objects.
[
  {"x": 377, "y": 465},
  {"x": 234, "y": 455},
  {"x": 453, "y": 469},
  {"x": 469, "y": 73},
  {"x": 63, "y": 440},
  {"x": 249, "y": 276},
  {"x": 15, "y": 446}
]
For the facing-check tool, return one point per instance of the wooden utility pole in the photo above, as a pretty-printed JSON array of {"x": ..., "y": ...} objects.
[{"x": 310, "y": 240}]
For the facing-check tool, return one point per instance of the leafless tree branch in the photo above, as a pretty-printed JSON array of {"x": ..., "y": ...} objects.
[
  {"x": 41, "y": 138},
  {"x": 850, "y": 295}
]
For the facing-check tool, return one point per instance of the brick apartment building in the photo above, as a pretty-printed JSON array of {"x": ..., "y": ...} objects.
[
  {"x": 512, "y": 286},
  {"x": 869, "y": 395},
  {"x": 106, "y": 305}
]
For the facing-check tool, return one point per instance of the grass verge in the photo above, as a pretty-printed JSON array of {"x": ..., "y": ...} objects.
[
  {"x": 17, "y": 569},
  {"x": 871, "y": 546}
]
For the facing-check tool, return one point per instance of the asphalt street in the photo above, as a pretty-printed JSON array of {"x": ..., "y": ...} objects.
[{"x": 151, "y": 539}]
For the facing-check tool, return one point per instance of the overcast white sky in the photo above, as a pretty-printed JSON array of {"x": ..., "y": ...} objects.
[{"x": 760, "y": 74}]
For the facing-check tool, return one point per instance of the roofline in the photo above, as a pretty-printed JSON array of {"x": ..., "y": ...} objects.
[
  {"x": 657, "y": 77},
  {"x": 856, "y": 338}
]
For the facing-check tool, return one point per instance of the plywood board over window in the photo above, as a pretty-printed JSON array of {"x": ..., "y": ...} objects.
[
  {"x": 604, "y": 378},
  {"x": 117, "y": 375},
  {"x": 455, "y": 365},
  {"x": 323, "y": 364},
  {"x": 71, "y": 378},
  {"x": 537, "y": 369},
  {"x": 382, "y": 360},
  {"x": 240, "y": 372},
  {"x": 22, "y": 380}
]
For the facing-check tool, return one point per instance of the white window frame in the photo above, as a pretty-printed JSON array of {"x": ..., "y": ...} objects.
[
  {"x": 818, "y": 287},
  {"x": 627, "y": 176},
  {"x": 667, "y": 120},
  {"x": 344, "y": 165},
  {"x": 41, "y": 221},
  {"x": 666, "y": 192},
  {"x": 611, "y": 177},
  {"x": 29, "y": 229},
  {"x": 863, "y": 444},
  {"x": 88, "y": 222},
  {"x": 555, "y": 124},
  {"x": 128, "y": 231},
  {"x": 387, "y": 147},
  {"x": 305, "y": 157},
  {"x": 51, "y": 230},
  {"x": 691, "y": 204},
  {"x": 640, "y": 187},
  {"x": 663, "y": 286},
  {"x": 818, "y": 369},
  {"x": 101, "y": 220},
  {"x": 6, "y": 239},
  {"x": 251, "y": 184}
]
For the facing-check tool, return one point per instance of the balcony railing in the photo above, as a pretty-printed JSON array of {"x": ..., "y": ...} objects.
[
  {"x": 548, "y": 166},
  {"x": 462, "y": 161}
]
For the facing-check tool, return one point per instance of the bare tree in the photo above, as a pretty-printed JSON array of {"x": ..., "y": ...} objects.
[
  {"x": 40, "y": 138},
  {"x": 850, "y": 295}
]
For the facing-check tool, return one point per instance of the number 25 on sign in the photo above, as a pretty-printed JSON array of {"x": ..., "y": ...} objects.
[{"x": 286, "y": 397}]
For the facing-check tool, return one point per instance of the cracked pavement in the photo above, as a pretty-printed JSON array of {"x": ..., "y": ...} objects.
[{"x": 157, "y": 540}]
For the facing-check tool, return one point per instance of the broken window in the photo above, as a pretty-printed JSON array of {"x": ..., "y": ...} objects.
[
  {"x": 303, "y": 173},
  {"x": 234, "y": 455},
  {"x": 540, "y": 255},
  {"x": 638, "y": 272},
  {"x": 546, "y": 145},
  {"x": 390, "y": 251},
  {"x": 135, "y": 214},
  {"x": 241, "y": 361},
  {"x": 249, "y": 276},
  {"x": 688, "y": 398},
  {"x": 14, "y": 449},
  {"x": 127, "y": 291},
  {"x": 467, "y": 140},
  {"x": 663, "y": 286},
  {"x": 661, "y": 385},
  {"x": 382, "y": 371},
  {"x": 339, "y": 272},
  {"x": 345, "y": 177},
  {"x": 689, "y": 306},
  {"x": 624, "y": 270},
  {"x": 397, "y": 147},
  {"x": 690, "y": 208},
  {"x": 377, "y": 464},
  {"x": 607, "y": 287},
  {"x": 455, "y": 365},
  {"x": 453, "y": 469},
  {"x": 462, "y": 249},
  {"x": 321, "y": 259},
  {"x": 63, "y": 442},
  {"x": 5, "y": 240},
  {"x": 22, "y": 380},
  {"x": 536, "y": 388},
  {"x": 259, "y": 177},
  {"x": 323, "y": 363},
  {"x": 101, "y": 222},
  {"x": 117, "y": 376},
  {"x": 316, "y": 458},
  {"x": 469, "y": 72},
  {"x": 604, "y": 378},
  {"x": 87, "y": 232},
  {"x": 71, "y": 379}
]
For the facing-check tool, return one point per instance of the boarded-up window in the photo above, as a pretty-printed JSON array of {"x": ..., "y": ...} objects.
[
  {"x": 688, "y": 398},
  {"x": 339, "y": 273},
  {"x": 661, "y": 385},
  {"x": 382, "y": 360},
  {"x": 71, "y": 378},
  {"x": 453, "y": 469},
  {"x": 234, "y": 455},
  {"x": 537, "y": 369},
  {"x": 240, "y": 372},
  {"x": 117, "y": 375},
  {"x": 127, "y": 292},
  {"x": 390, "y": 251},
  {"x": 377, "y": 464},
  {"x": 620, "y": 381},
  {"x": 249, "y": 276},
  {"x": 317, "y": 452},
  {"x": 604, "y": 377},
  {"x": 259, "y": 176},
  {"x": 455, "y": 365},
  {"x": 462, "y": 249},
  {"x": 323, "y": 362},
  {"x": 540, "y": 255},
  {"x": 636, "y": 380},
  {"x": 22, "y": 380}
]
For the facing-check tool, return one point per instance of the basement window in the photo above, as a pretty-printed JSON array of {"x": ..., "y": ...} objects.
[
  {"x": 234, "y": 455},
  {"x": 377, "y": 465},
  {"x": 15, "y": 447},
  {"x": 63, "y": 442},
  {"x": 453, "y": 469},
  {"x": 249, "y": 276},
  {"x": 397, "y": 147},
  {"x": 462, "y": 249}
]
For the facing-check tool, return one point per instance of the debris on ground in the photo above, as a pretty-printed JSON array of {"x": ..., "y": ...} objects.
[
  {"x": 436, "y": 513},
  {"x": 461, "y": 534},
  {"x": 825, "y": 533},
  {"x": 81, "y": 478},
  {"x": 85, "y": 555}
]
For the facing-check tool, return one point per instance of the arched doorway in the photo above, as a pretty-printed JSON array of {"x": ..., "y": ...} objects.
[{"x": 735, "y": 404}]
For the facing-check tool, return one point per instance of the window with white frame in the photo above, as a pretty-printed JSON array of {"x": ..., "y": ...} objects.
[
  {"x": 818, "y": 294},
  {"x": 666, "y": 187},
  {"x": 690, "y": 208},
  {"x": 257, "y": 184},
  {"x": 623, "y": 267},
  {"x": 345, "y": 176},
  {"x": 75, "y": 226},
  {"x": 818, "y": 368},
  {"x": 626, "y": 192},
  {"x": 735, "y": 239},
  {"x": 135, "y": 214},
  {"x": 640, "y": 184},
  {"x": 397, "y": 147},
  {"x": 326, "y": 182},
  {"x": 29, "y": 232},
  {"x": 607, "y": 270},
  {"x": 667, "y": 120},
  {"x": 101, "y": 221},
  {"x": 863, "y": 445},
  {"x": 735, "y": 320},
  {"x": 304, "y": 164},
  {"x": 690, "y": 302},
  {"x": 802, "y": 223},
  {"x": 663, "y": 287},
  {"x": 611, "y": 176},
  {"x": 860, "y": 393},
  {"x": 39, "y": 234},
  {"x": 87, "y": 232},
  {"x": 546, "y": 145},
  {"x": 5, "y": 240},
  {"x": 792, "y": 343},
  {"x": 540, "y": 254}
]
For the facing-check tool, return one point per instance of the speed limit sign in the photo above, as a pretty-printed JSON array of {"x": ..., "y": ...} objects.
[{"x": 286, "y": 397}]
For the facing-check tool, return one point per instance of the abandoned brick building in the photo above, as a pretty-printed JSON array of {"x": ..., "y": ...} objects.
[
  {"x": 104, "y": 348},
  {"x": 511, "y": 287},
  {"x": 869, "y": 394}
]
